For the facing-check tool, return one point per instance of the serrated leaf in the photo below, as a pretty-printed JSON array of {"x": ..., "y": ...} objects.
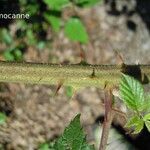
[
  {"x": 57, "y": 4},
  {"x": 146, "y": 117},
  {"x": 86, "y": 3},
  {"x": 3, "y": 118},
  {"x": 75, "y": 30},
  {"x": 136, "y": 123},
  {"x": 132, "y": 93},
  {"x": 54, "y": 21},
  {"x": 132, "y": 122},
  {"x": 139, "y": 126},
  {"x": 146, "y": 104},
  {"x": 147, "y": 124},
  {"x": 73, "y": 137}
]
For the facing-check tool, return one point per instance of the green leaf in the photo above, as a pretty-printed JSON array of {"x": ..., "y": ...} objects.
[
  {"x": 31, "y": 39},
  {"x": 75, "y": 30},
  {"x": 86, "y": 3},
  {"x": 146, "y": 117},
  {"x": 54, "y": 21},
  {"x": 8, "y": 56},
  {"x": 44, "y": 146},
  {"x": 18, "y": 54},
  {"x": 13, "y": 54},
  {"x": 41, "y": 45},
  {"x": 6, "y": 37},
  {"x": 146, "y": 105},
  {"x": 132, "y": 93},
  {"x": 136, "y": 123},
  {"x": 57, "y": 4},
  {"x": 32, "y": 9},
  {"x": 73, "y": 137},
  {"x": 69, "y": 91},
  {"x": 3, "y": 118},
  {"x": 147, "y": 124}
]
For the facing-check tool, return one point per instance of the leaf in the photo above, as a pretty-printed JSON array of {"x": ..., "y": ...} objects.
[
  {"x": 13, "y": 54},
  {"x": 32, "y": 9},
  {"x": 147, "y": 124},
  {"x": 75, "y": 30},
  {"x": 18, "y": 54},
  {"x": 73, "y": 137},
  {"x": 44, "y": 146},
  {"x": 31, "y": 39},
  {"x": 146, "y": 117},
  {"x": 139, "y": 126},
  {"x": 136, "y": 123},
  {"x": 146, "y": 105},
  {"x": 69, "y": 91},
  {"x": 54, "y": 21},
  {"x": 3, "y": 118},
  {"x": 86, "y": 3},
  {"x": 6, "y": 37},
  {"x": 132, "y": 93},
  {"x": 57, "y": 4},
  {"x": 41, "y": 45},
  {"x": 8, "y": 56}
]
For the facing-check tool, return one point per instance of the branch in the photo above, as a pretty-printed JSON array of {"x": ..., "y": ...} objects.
[
  {"x": 108, "y": 118},
  {"x": 78, "y": 75}
]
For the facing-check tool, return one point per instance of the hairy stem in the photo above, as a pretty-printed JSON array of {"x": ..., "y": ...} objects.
[
  {"x": 108, "y": 118},
  {"x": 79, "y": 75}
]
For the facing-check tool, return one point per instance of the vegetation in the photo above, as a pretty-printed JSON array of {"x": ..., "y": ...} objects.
[
  {"x": 44, "y": 15},
  {"x": 52, "y": 13}
]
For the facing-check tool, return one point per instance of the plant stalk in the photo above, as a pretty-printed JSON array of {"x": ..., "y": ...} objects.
[
  {"x": 77, "y": 75},
  {"x": 108, "y": 118}
]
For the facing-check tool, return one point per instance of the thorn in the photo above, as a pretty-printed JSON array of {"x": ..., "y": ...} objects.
[
  {"x": 105, "y": 85},
  {"x": 93, "y": 73},
  {"x": 119, "y": 58},
  {"x": 58, "y": 88}
]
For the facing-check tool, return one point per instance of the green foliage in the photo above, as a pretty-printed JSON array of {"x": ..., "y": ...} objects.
[
  {"x": 6, "y": 37},
  {"x": 44, "y": 14},
  {"x": 13, "y": 54},
  {"x": 31, "y": 40},
  {"x": 56, "y": 4},
  {"x": 3, "y": 118},
  {"x": 73, "y": 138},
  {"x": 69, "y": 91},
  {"x": 132, "y": 94},
  {"x": 136, "y": 123},
  {"x": 54, "y": 20},
  {"x": 86, "y": 3},
  {"x": 44, "y": 146},
  {"x": 75, "y": 30}
]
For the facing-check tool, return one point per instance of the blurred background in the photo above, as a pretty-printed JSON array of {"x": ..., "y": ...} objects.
[{"x": 63, "y": 32}]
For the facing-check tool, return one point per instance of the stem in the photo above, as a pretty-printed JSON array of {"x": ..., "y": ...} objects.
[
  {"x": 108, "y": 118},
  {"x": 79, "y": 75}
]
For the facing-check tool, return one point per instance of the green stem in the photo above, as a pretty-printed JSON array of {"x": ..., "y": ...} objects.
[{"x": 78, "y": 75}]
